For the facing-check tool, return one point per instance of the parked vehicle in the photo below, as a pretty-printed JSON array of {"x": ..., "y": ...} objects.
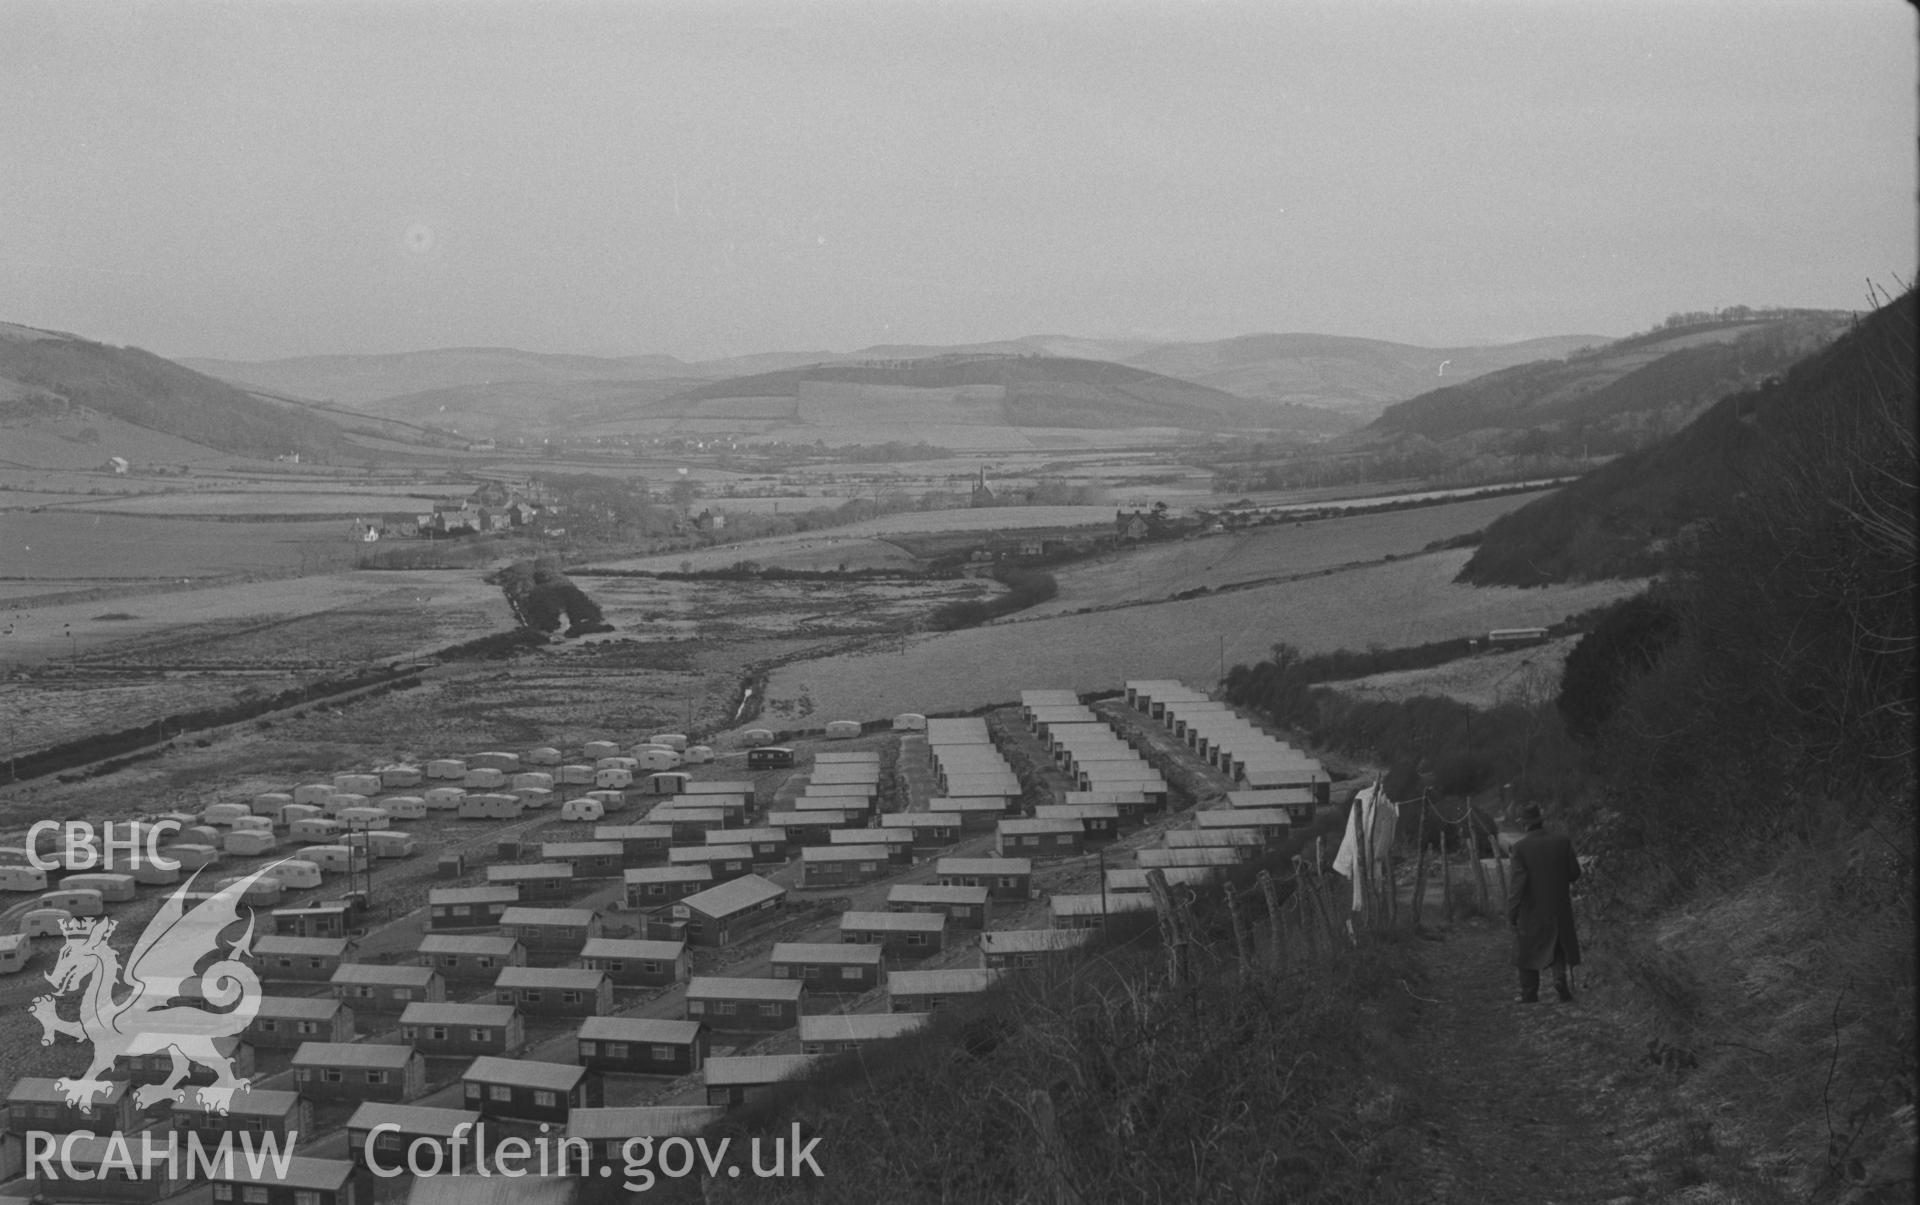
[
  {"x": 582, "y": 809},
  {"x": 44, "y": 922},
  {"x": 75, "y": 901},
  {"x": 22, "y": 878}
]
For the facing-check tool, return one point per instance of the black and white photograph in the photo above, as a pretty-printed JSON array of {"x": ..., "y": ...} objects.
[{"x": 958, "y": 602}]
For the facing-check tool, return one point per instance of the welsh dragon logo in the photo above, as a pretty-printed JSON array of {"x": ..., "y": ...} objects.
[{"x": 165, "y": 965}]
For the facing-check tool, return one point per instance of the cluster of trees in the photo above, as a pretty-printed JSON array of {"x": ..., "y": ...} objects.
[
  {"x": 1771, "y": 674},
  {"x": 1025, "y": 588},
  {"x": 541, "y": 596}
]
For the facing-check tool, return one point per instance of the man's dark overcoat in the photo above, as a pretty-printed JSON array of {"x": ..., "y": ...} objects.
[{"x": 1539, "y": 904}]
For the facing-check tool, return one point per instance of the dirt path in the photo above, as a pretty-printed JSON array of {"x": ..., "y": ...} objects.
[{"x": 1546, "y": 1104}]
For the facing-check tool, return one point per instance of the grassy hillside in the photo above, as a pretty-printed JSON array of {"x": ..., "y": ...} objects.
[
  {"x": 1610, "y": 399},
  {"x": 1622, "y": 520},
  {"x": 357, "y": 379},
  {"x": 1035, "y": 391},
  {"x": 140, "y": 388}
]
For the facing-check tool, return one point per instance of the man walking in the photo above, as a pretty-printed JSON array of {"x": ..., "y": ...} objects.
[{"x": 1540, "y": 907}]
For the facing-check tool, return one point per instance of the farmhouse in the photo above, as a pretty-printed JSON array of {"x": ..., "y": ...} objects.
[
  {"x": 631, "y": 963},
  {"x": 589, "y": 859},
  {"x": 930, "y": 830},
  {"x": 255, "y": 1111},
  {"x": 1222, "y": 847},
  {"x": 528, "y": 1090},
  {"x": 840, "y": 865},
  {"x": 718, "y": 915},
  {"x": 813, "y": 826},
  {"x": 371, "y": 987},
  {"x": 606, "y": 1131},
  {"x": 554, "y": 992},
  {"x": 34, "y": 1103},
  {"x": 977, "y": 813},
  {"x": 1099, "y": 822},
  {"x": 833, "y": 1033},
  {"x": 1011, "y": 949},
  {"x": 766, "y": 844},
  {"x": 358, "y": 1071},
  {"x": 964, "y": 907},
  {"x": 1040, "y": 838},
  {"x": 1127, "y": 881},
  {"x": 1091, "y": 911},
  {"x": 651, "y": 886},
  {"x": 733, "y": 1081},
  {"x": 898, "y": 842},
  {"x": 316, "y": 920},
  {"x": 452, "y": 1130},
  {"x": 470, "y": 958},
  {"x": 300, "y": 959},
  {"x": 1004, "y": 878},
  {"x": 899, "y": 934},
  {"x": 536, "y": 881},
  {"x": 640, "y": 844},
  {"x": 925, "y": 991},
  {"x": 284, "y": 1022},
  {"x": 156, "y": 1067},
  {"x": 469, "y": 907},
  {"x": 728, "y": 862},
  {"x": 462, "y": 1029},
  {"x": 304, "y": 1180},
  {"x": 1297, "y": 802},
  {"x": 1271, "y": 824},
  {"x": 761, "y": 1005},
  {"x": 829, "y": 968},
  {"x": 642, "y": 1045},
  {"x": 551, "y": 935}
]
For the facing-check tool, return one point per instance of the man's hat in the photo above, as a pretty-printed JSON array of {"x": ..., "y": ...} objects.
[{"x": 1530, "y": 814}]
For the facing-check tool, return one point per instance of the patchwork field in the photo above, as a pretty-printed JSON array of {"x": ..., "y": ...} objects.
[
  {"x": 379, "y": 615},
  {"x": 69, "y": 545},
  {"x": 1160, "y": 571},
  {"x": 1402, "y": 602},
  {"x": 1482, "y": 681}
]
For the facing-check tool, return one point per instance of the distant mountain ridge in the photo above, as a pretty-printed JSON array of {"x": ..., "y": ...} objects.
[{"x": 1347, "y": 376}]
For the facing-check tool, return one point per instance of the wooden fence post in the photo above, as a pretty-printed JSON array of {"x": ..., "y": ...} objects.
[
  {"x": 1275, "y": 928},
  {"x": 1242, "y": 940},
  {"x": 1499, "y": 861},
  {"x": 1170, "y": 928},
  {"x": 1362, "y": 871},
  {"x": 1473, "y": 850},
  {"x": 1323, "y": 902},
  {"x": 1420, "y": 865},
  {"x": 1052, "y": 1146},
  {"x": 1308, "y": 946},
  {"x": 1446, "y": 877}
]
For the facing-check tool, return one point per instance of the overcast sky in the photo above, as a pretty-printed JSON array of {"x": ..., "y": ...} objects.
[{"x": 252, "y": 180}]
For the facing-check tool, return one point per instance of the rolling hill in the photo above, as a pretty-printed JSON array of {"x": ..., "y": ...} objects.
[
  {"x": 1608, "y": 399},
  {"x": 1623, "y": 519},
  {"x": 46, "y": 373},
  {"x": 1356, "y": 377},
  {"x": 1314, "y": 385},
  {"x": 1015, "y": 390}
]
